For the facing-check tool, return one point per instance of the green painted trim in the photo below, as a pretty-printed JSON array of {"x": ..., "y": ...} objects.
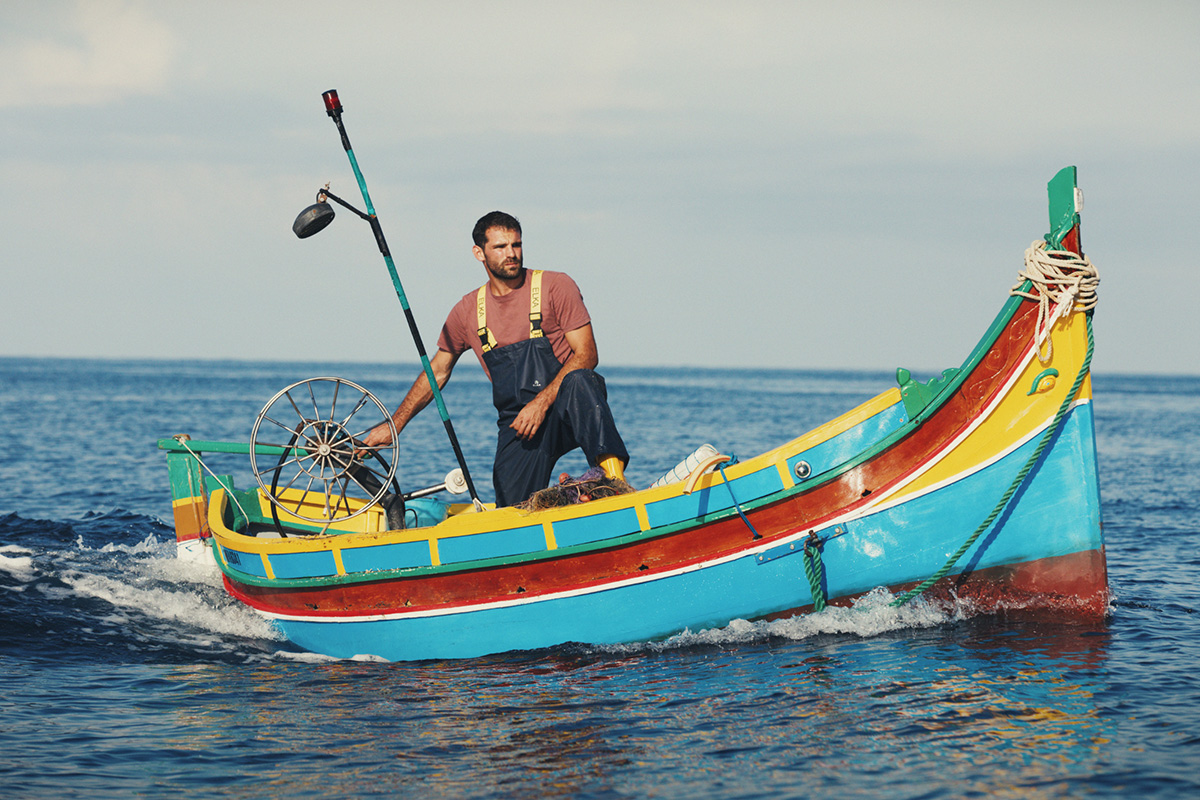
[
  {"x": 246, "y": 499},
  {"x": 917, "y": 395},
  {"x": 196, "y": 446},
  {"x": 183, "y": 471},
  {"x": 1063, "y": 215},
  {"x": 1046, "y": 373}
]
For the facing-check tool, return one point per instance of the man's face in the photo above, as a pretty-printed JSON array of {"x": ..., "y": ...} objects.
[{"x": 501, "y": 253}]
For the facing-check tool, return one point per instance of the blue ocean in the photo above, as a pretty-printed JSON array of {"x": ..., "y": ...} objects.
[{"x": 129, "y": 673}]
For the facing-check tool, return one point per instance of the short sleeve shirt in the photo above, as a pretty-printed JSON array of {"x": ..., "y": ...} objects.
[{"x": 563, "y": 311}]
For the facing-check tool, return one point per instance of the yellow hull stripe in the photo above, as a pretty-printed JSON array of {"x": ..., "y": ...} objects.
[{"x": 1017, "y": 416}]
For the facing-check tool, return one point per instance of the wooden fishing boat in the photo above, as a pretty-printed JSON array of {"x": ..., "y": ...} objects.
[{"x": 978, "y": 486}]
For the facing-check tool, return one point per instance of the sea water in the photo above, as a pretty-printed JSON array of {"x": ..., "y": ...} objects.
[{"x": 127, "y": 672}]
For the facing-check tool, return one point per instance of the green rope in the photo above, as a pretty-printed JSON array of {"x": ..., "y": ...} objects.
[
  {"x": 1016, "y": 484},
  {"x": 814, "y": 569}
]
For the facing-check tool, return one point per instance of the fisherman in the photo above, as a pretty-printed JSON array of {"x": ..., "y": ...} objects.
[{"x": 533, "y": 336}]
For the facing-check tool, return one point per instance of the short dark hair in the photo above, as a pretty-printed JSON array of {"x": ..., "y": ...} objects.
[{"x": 493, "y": 219}]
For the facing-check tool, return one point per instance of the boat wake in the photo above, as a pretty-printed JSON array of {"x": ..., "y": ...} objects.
[
  {"x": 870, "y": 615},
  {"x": 73, "y": 588},
  {"x": 111, "y": 583}
]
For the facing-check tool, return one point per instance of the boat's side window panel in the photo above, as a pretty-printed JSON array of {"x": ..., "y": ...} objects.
[
  {"x": 249, "y": 563},
  {"x": 401, "y": 555},
  {"x": 317, "y": 564},
  {"x": 494, "y": 544},
  {"x": 582, "y": 530}
]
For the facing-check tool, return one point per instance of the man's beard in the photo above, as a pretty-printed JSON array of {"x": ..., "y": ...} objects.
[{"x": 506, "y": 269}]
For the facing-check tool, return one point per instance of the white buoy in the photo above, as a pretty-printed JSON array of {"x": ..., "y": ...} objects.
[{"x": 684, "y": 468}]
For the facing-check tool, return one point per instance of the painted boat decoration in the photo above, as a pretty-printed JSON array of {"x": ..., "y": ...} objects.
[{"x": 980, "y": 485}]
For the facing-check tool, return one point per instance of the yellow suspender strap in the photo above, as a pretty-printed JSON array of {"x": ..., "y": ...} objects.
[
  {"x": 535, "y": 304},
  {"x": 486, "y": 339}
]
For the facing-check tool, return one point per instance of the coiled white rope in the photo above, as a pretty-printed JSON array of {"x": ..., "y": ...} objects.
[{"x": 1062, "y": 281}]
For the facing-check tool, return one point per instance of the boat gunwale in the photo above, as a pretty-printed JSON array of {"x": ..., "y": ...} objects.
[{"x": 330, "y": 542}]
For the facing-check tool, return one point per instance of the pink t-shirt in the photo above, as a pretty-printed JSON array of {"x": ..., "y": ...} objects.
[{"x": 563, "y": 311}]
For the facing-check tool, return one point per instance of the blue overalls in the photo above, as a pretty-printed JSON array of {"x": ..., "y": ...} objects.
[{"x": 580, "y": 416}]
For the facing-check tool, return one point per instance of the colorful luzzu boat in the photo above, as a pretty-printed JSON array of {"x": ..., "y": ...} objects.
[{"x": 979, "y": 486}]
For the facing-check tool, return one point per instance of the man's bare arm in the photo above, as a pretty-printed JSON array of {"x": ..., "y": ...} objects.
[{"x": 417, "y": 398}]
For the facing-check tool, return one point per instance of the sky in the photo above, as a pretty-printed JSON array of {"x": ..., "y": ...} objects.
[{"x": 754, "y": 184}]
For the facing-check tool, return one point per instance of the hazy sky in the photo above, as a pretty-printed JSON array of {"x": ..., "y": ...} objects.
[{"x": 731, "y": 184}]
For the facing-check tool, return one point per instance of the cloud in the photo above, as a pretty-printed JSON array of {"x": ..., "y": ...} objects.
[{"x": 94, "y": 53}]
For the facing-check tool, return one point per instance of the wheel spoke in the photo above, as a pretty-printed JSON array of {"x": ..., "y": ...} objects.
[
  {"x": 316, "y": 411},
  {"x": 362, "y": 401},
  {"x": 265, "y": 470},
  {"x": 340, "y": 441},
  {"x": 344, "y": 500},
  {"x": 337, "y": 387},
  {"x": 342, "y": 447},
  {"x": 343, "y": 467},
  {"x": 292, "y": 482},
  {"x": 307, "y": 490},
  {"x": 340, "y": 436},
  {"x": 379, "y": 476},
  {"x": 295, "y": 407},
  {"x": 349, "y": 476},
  {"x": 296, "y": 460},
  {"x": 363, "y": 433},
  {"x": 310, "y": 435},
  {"x": 291, "y": 429},
  {"x": 300, "y": 501}
]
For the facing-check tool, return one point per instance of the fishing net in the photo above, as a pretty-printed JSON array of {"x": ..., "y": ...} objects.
[{"x": 591, "y": 485}]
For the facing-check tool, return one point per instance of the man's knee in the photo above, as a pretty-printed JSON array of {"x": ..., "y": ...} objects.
[{"x": 583, "y": 381}]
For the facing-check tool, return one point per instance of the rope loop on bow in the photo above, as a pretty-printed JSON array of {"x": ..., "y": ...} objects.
[{"x": 1061, "y": 282}]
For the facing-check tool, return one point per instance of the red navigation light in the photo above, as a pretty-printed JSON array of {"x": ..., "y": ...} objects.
[{"x": 333, "y": 106}]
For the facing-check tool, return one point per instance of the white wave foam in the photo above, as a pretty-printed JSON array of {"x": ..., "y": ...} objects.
[
  {"x": 189, "y": 607},
  {"x": 19, "y": 565},
  {"x": 173, "y": 569},
  {"x": 305, "y": 657},
  {"x": 870, "y": 615},
  {"x": 160, "y": 560},
  {"x": 302, "y": 657},
  {"x": 150, "y": 546},
  {"x": 153, "y": 598}
]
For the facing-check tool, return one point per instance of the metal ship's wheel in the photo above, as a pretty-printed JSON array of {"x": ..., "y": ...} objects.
[{"x": 320, "y": 474}]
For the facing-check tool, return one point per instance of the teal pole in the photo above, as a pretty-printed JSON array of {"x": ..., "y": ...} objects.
[{"x": 333, "y": 106}]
